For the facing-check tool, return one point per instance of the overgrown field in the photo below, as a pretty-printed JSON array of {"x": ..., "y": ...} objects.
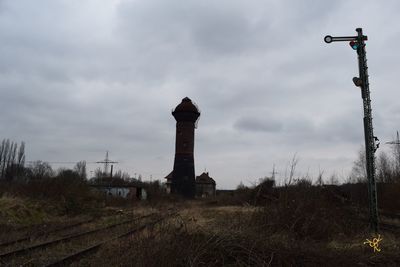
[
  {"x": 295, "y": 227},
  {"x": 299, "y": 225}
]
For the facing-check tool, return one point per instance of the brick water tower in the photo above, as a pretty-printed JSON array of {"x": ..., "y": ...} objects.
[{"x": 183, "y": 181}]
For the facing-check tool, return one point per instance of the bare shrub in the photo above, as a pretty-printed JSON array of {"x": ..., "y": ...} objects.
[
  {"x": 67, "y": 192},
  {"x": 245, "y": 239}
]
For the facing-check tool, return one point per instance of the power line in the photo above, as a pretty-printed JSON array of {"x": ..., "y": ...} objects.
[
  {"x": 58, "y": 162},
  {"x": 106, "y": 162},
  {"x": 395, "y": 142}
]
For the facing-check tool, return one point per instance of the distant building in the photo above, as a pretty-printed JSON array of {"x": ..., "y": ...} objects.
[
  {"x": 205, "y": 185},
  {"x": 168, "y": 182},
  {"x": 120, "y": 188}
]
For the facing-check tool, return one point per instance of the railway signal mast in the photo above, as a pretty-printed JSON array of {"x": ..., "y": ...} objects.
[{"x": 371, "y": 142}]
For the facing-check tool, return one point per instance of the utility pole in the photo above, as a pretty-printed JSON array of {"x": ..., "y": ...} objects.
[
  {"x": 396, "y": 149},
  {"x": 273, "y": 172},
  {"x": 106, "y": 162},
  {"x": 395, "y": 142},
  {"x": 371, "y": 141}
]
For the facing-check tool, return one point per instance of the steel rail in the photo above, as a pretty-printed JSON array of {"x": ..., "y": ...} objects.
[
  {"x": 67, "y": 238},
  {"x": 27, "y": 237},
  {"x": 91, "y": 249}
]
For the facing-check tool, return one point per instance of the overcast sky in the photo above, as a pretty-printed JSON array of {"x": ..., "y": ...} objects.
[{"x": 78, "y": 78}]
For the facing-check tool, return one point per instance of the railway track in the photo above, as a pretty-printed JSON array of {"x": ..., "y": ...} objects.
[
  {"x": 68, "y": 237},
  {"x": 381, "y": 213},
  {"x": 31, "y": 236},
  {"x": 27, "y": 253},
  {"x": 92, "y": 249},
  {"x": 384, "y": 225}
]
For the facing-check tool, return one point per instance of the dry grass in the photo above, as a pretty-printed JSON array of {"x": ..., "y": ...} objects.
[
  {"x": 16, "y": 212},
  {"x": 302, "y": 227},
  {"x": 290, "y": 226},
  {"x": 181, "y": 242}
]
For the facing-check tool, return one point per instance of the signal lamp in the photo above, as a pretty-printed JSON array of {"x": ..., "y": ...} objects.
[
  {"x": 353, "y": 45},
  {"x": 357, "y": 81},
  {"x": 328, "y": 39}
]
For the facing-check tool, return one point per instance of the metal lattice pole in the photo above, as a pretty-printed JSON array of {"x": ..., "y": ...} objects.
[
  {"x": 358, "y": 43},
  {"x": 370, "y": 145}
]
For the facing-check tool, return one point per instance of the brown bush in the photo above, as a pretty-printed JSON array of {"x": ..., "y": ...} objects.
[
  {"x": 312, "y": 213},
  {"x": 233, "y": 240},
  {"x": 357, "y": 194},
  {"x": 66, "y": 193}
]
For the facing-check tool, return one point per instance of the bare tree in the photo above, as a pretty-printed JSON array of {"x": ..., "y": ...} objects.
[
  {"x": 21, "y": 155},
  {"x": 292, "y": 169},
  {"x": 396, "y": 159},
  {"x": 40, "y": 170},
  {"x": 80, "y": 168},
  {"x": 241, "y": 186},
  {"x": 1, "y": 158},
  {"x": 11, "y": 155},
  {"x": 6, "y": 147},
  {"x": 123, "y": 175},
  {"x": 385, "y": 168},
  {"x": 333, "y": 180},
  {"x": 11, "y": 162},
  {"x": 320, "y": 180},
  {"x": 98, "y": 173},
  {"x": 359, "y": 170}
]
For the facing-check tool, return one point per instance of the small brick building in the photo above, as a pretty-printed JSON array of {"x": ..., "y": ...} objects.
[{"x": 205, "y": 185}]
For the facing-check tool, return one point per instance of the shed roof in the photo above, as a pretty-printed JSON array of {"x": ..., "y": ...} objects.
[
  {"x": 204, "y": 178},
  {"x": 169, "y": 176}
]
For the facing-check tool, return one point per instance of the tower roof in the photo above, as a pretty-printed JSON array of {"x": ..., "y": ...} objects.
[{"x": 186, "y": 106}]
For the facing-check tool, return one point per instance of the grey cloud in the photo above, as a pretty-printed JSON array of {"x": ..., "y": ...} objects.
[
  {"x": 258, "y": 125},
  {"x": 298, "y": 124},
  {"x": 77, "y": 79},
  {"x": 346, "y": 128},
  {"x": 217, "y": 28}
]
